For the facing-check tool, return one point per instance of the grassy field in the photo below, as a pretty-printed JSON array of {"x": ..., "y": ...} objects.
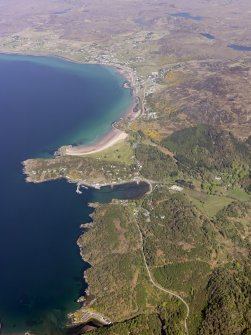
[
  {"x": 120, "y": 152},
  {"x": 239, "y": 194},
  {"x": 209, "y": 204}
]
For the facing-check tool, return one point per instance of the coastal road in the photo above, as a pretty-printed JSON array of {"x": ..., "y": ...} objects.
[{"x": 159, "y": 286}]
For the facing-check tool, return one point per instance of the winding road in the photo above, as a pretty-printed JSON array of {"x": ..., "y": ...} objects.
[{"x": 159, "y": 286}]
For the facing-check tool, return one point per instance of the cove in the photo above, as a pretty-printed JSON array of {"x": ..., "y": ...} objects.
[{"x": 45, "y": 103}]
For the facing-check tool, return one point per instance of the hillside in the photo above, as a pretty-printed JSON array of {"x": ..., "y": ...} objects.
[{"x": 204, "y": 147}]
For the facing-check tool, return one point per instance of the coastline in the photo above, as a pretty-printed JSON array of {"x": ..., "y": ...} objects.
[
  {"x": 115, "y": 135},
  {"x": 108, "y": 140},
  {"x": 111, "y": 138}
]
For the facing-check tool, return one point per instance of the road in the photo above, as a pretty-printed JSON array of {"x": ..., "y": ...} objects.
[{"x": 159, "y": 286}]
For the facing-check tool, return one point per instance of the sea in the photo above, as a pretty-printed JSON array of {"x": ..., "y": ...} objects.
[{"x": 47, "y": 102}]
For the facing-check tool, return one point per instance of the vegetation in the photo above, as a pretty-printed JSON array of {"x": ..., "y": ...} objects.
[
  {"x": 117, "y": 277},
  {"x": 155, "y": 164},
  {"x": 231, "y": 223},
  {"x": 88, "y": 170},
  {"x": 165, "y": 320},
  {"x": 174, "y": 230},
  {"x": 121, "y": 152},
  {"x": 229, "y": 301},
  {"x": 183, "y": 277},
  {"x": 187, "y": 253},
  {"x": 203, "y": 149},
  {"x": 145, "y": 324},
  {"x": 189, "y": 237},
  {"x": 238, "y": 193}
]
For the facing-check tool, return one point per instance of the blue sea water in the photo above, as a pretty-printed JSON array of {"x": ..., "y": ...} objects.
[{"x": 45, "y": 103}]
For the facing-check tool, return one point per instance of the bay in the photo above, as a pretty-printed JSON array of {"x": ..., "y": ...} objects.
[{"x": 45, "y": 103}]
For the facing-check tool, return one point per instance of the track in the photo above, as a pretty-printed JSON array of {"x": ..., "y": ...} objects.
[{"x": 159, "y": 286}]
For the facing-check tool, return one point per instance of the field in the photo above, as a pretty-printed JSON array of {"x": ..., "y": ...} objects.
[
  {"x": 121, "y": 152},
  {"x": 238, "y": 194},
  {"x": 209, "y": 204}
]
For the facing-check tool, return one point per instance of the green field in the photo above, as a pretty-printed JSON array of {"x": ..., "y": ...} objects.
[
  {"x": 209, "y": 204},
  {"x": 239, "y": 194},
  {"x": 120, "y": 152}
]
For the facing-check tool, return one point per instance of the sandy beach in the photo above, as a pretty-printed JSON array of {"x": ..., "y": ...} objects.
[{"x": 114, "y": 136}]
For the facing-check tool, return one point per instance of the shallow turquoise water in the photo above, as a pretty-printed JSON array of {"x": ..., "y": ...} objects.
[{"x": 46, "y": 103}]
